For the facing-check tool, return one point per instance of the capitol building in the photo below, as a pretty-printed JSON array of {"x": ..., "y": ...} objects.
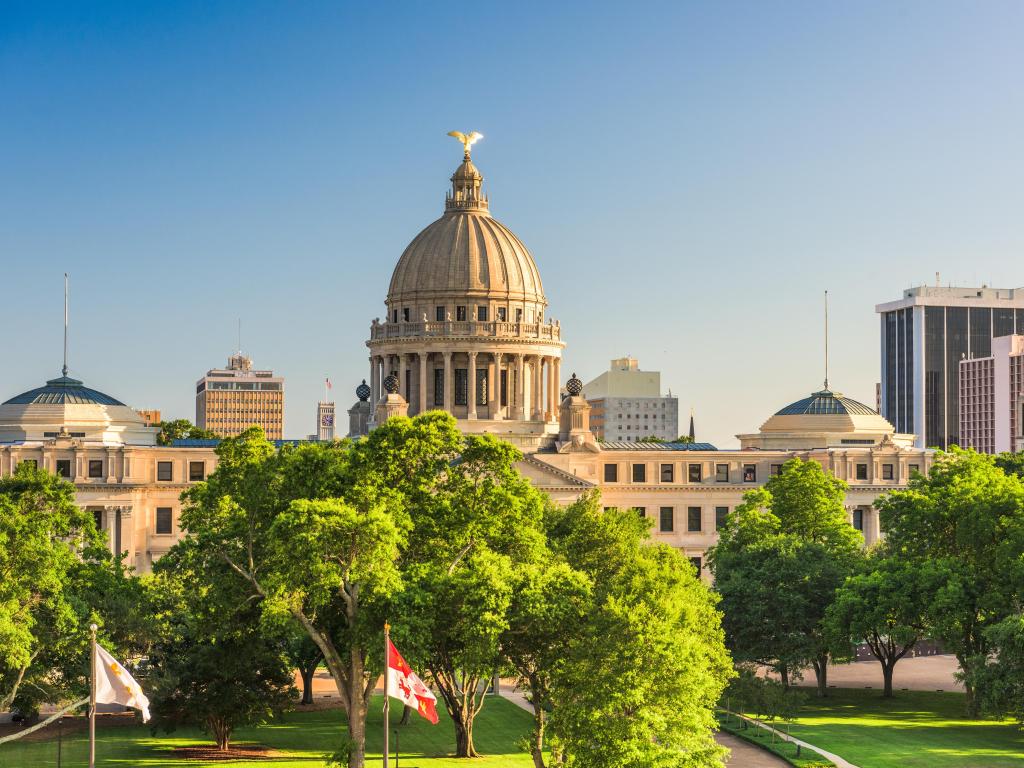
[{"x": 466, "y": 329}]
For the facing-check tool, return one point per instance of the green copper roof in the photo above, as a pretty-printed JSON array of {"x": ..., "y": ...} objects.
[
  {"x": 63, "y": 391},
  {"x": 826, "y": 403}
]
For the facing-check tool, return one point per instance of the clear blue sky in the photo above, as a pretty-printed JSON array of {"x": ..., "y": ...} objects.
[{"x": 689, "y": 176}]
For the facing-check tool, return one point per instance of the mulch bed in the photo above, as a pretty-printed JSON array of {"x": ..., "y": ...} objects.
[{"x": 235, "y": 752}]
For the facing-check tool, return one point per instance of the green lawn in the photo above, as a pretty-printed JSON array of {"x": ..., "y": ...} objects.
[
  {"x": 305, "y": 736},
  {"x": 916, "y": 729}
]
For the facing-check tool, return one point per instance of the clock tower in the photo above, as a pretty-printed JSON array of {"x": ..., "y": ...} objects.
[{"x": 324, "y": 421}]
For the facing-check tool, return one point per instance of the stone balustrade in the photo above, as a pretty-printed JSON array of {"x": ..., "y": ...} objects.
[{"x": 464, "y": 329}]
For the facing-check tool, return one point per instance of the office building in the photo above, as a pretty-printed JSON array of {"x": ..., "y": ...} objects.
[
  {"x": 230, "y": 400},
  {"x": 627, "y": 404},
  {"x": 924, "y": 337},
  {"x": 991, "y": 396}
]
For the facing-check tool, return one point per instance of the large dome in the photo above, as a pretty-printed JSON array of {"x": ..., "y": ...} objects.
[
  {"x": 466, "y": 254},
  {"x": 63, "y": 391}
]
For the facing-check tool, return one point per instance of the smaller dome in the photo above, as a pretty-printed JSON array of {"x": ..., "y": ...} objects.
[
  {"x": 826, "y": 403},
  {"x": 466, "y": 171},
  {"x": 63, "y": 391}
]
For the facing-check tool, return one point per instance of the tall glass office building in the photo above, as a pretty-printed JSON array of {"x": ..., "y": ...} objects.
[{"x": 924, "y": 336}]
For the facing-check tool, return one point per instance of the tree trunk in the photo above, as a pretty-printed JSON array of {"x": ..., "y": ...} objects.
[
  {"x": 464, "y": 736},
  {"x": 537, "y": 747},
  {"x": 406, "y": 714},
  {"x": 784, "y": 675},
  {"x": 888, "y": 667},
  {"x": 971, "y": 705},
  {"x": 307, "y": 681},
  {"x": 221, "y": 732},
  {"x": 821, "y": 673}
]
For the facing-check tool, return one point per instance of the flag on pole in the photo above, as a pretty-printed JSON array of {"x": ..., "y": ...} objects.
[
  {"x": 405, "y": 685},
  {"x": 328, "y": 383},
  {"x": 115, "y": 686}
]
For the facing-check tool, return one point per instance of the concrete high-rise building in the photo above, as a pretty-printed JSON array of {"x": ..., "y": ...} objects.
[
  {"x": 230, "y": 400},
  {"x": 627, "y": 405},
  {"x": 324, "y": 421},
  {"x": 925, "y": 334},
  {"x": 991, "y": 397}
]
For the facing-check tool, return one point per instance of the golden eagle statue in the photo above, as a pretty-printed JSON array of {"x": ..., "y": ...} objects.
[{"x": 467, "y": 139}]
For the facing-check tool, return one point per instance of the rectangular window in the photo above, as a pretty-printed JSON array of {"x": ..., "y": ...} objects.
[
  {"x": 693, "y": 472},
  {"x": 776, "y": 469},
  {"x": 405, "y": 314},
  {"x": 460, "y": 313},
  {"x": 95, "y": 467},
  {"x": 667, "y": 473},
  {"x": 862, "y": 472},
  {"x": 481, "y": 386},
  {"x": 64, "y": 468},
  {"x": 462, "y": 386},
  {"x": 503, "y": 383},
  {"x": 693, "y": 519},
  {"x": 97, "y": 516},
  {"x": 163, "y": 471},
  {"x": 394, "y": 316},
  {"x": 721, "y": 473},
  {"x": 749, "y": 473},
  {"x": 887, "y": 472},
  {"x": 163, "y": 520},
  {"x": 611, "y": 473},
  {"x": 439, "y": 386},
  {"x": 502, "y": 314},
  {"x": 914, "y": 468},
  {"x": 697, "y": 564},
  {"x": 721, "y": 514},
  {"x": 519, "y": 315},
  {"x": 196, "y": 471},
  {"x": 641, "y": 511},
  {"x": 667, "y": 520},
  {"x": 481, "y": 314},
  {"x": 439, "y": 314},
  {"x": 639, "y": 473},
  {"x": 858, "y": 519}
]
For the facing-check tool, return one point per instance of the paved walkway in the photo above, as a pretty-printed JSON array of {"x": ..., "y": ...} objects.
[{"x": 924, "y": 673}]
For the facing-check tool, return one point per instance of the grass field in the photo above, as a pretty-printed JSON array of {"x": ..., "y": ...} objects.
[
  {"x": 916, "y": 729},
  {"x": 304, "y": 737}
]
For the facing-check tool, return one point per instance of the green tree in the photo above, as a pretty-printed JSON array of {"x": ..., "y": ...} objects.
[
  {"x": 777, "y": 565},
  {"x": 1011, "y": 463},
  {"x": 213, "y": 665},
  {"x": 302, "y": 532},
  {"x": 180, "y": 429},
  {"x": 53, "y": 572},
  {"x": 639, "y": 680},
  {"x": 965, "y": 523},
  {"x": 999, "y": 678},
  {"x": 883, "y": 606},
  {"x": 549, "y": 604}
]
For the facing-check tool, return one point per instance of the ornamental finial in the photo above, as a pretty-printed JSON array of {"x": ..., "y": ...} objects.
[{"x": 467, "y": 139}]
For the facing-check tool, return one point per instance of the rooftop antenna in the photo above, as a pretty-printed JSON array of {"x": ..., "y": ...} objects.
[
  {"x": 239, "y": 335},
  {"x": 826, "y": 340},
  {"x": 64, "y": 370}
]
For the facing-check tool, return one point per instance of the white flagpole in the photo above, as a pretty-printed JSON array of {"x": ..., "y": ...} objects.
[
  {"x": 387, "y": 682},
  {"x": 92, "y": 697}
]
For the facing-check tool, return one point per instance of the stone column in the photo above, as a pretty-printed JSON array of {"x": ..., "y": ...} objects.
[
  {"x": 494, "y": 382},
  {"x": 558, "y": 384},
  {"x": 422, "y": 406},
  {"x": 448, "y": 383},
  {"x": 374, "y": 379},
  {"x": 549, "y": 397},
  {"x": 537, "y": 383},
  {"x": 402, "y": 389},
  {"x": 519, "y": 410},
  {"x": 471, "y": 385}
]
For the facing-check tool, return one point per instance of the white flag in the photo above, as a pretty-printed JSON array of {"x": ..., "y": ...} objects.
[{"x": 115, "y": 686}]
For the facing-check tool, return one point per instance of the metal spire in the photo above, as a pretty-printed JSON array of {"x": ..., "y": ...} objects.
[
  {"x": 64, "y": 370},
  {"x": 826, "y": 340}
]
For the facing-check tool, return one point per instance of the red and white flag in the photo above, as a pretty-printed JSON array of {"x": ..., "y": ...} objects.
[
  {"x": 327, "y": 382},
  {"x": 404, "y": 685}
]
